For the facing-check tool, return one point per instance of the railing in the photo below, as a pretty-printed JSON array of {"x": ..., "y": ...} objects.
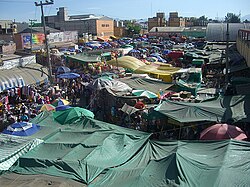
[{"x": 243, "y": 45}]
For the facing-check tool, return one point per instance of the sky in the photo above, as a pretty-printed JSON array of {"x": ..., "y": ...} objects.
[{"x": 23, "y": 10}]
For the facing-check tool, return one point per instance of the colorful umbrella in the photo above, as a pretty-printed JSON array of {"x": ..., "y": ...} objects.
[
  {"x": 62, "y": 107},
  {"x": 145, "y": 93},
  {"x": 221, "y": 132},
  {"x": 59, "y": 102},
  {"x": 68, "y": 76},
  {"x": 47, "y": 107},
  {"x": 21, "y": 129},
  {"x": 71, "y": 115}
]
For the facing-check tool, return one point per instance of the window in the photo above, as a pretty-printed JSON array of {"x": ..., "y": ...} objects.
[{"x": 103, "y": 25}]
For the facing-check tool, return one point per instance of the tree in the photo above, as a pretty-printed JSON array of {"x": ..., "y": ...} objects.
[
  {"x": 232, "y": 18},
  {"x": 246, "y": 21},
  {"x": 133, "y": 28},
  {"x": 203, "y": 18}
]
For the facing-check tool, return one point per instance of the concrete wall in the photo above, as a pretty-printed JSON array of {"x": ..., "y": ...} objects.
[
  {"x": 9, "y": 48},
  {"x": 104, "y": 28}
]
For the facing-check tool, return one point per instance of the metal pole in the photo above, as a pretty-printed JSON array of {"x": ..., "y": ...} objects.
[
  {"x": 31, "y": 41},
  {"x": 227, "y": 51},
  {"x": 45, "y": 35}
]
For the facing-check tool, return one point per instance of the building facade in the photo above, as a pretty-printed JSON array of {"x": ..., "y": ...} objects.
[
  {"x": 55, "y": 38},
  {"x": 176, "y": 21},
  {"x": 158, "y": 21},
  {"x": 100, "y": 26}
]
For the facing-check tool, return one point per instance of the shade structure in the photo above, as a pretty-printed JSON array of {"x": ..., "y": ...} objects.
[
  {"x": 59, "y": 102},
  {"x": 47, "y": 107},
  {"x": 21, "y": 129},
  {"x": 62, "y": 107},
  {"x": 145, "y": 93},
  {"x": 221, "y": 132},
  {"x": 63, "y": 69},
  {"x": 68, "y": 76},
  {"x": 71, "y": 115}
]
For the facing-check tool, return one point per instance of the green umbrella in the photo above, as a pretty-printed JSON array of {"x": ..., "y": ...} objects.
[
  {"x": 71, "y": 115},
  {"x": 145, "y": 93}
]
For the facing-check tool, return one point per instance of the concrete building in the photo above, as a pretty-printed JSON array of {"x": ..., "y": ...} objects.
[
  {"x": 158, "y": 21},
  {"x": 166, "y": 32},
  {"x": 175, "y": 21},
  {"x": 100, "y": 26},
  {"x": 7, "y": 47},
  {"x": 119, "y": 29}
]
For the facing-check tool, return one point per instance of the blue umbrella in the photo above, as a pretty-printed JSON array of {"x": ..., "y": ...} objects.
[
  {"x": 63, "y": 69},
  {"x": 62, "y": 107},
  {"x": 22, "y": 129},
  {"x": 68, "y": 75}
]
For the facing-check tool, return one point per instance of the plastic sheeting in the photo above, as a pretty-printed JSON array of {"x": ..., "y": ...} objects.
[
  {"x": 182, "y": 163},
  {"x": 191, "y": 112},
  {"x": 146, "y": 84},
  {"x": 102, "y": 154},
  {"x": 12, "y": 147}
]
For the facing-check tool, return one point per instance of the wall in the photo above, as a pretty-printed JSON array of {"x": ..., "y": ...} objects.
[
  {"x": 23, "y": 40},
  {"x": 10, "y": 48},
  {"x": 104, "y": 28}
]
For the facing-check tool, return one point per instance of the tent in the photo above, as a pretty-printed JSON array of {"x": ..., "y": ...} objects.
[
  {"x": 127, "y": 62},
  {"x": 144, "y": 93},
  {"x": 191, "y": 112},
  {"x": 101, "y": 154},
  {"x": 71, "y": 115},
  {"x": 150, "y": 84},
  {"x": 113, "y": 85}
]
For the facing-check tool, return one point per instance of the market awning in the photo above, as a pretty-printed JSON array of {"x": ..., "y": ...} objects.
[
  {"x": 23, "y": 76},
  {"x": 84, "y": 58}
]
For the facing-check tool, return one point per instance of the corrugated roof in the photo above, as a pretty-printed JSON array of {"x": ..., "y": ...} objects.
[
  {"x": 39, "y": 30},
  {"x": 167, "y": 29}
]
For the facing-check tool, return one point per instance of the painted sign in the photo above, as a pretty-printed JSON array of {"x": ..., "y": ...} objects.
[{"x": 37, "y": 39}]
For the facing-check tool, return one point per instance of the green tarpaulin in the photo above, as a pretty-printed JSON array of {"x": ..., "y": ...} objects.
[
  {"x": 224, "y": 109},
  {"x": 83, "y": 58},
  {"x": 12, "y": 147},
  {"x": 101, "y": 154},
  {"x": 146, "y": 84},
  {"x": 191, "y": 112}
]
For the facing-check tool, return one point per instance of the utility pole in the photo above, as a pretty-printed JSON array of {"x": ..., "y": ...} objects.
[
  {"x": 31, "y": 41},
  {"x": 41, "y": 4},
  {"x": 227, "y": 51}
]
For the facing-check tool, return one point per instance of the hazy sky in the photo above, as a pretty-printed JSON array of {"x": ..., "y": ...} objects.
[{"x": 23, "y": 10}]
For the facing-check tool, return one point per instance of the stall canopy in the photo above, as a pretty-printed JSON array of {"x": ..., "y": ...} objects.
[
  {"x": 23, "y": 76},
  {"x": 191, "y": 112},
  {"x": 83, "y": 58},
  {"x": 224, "y": 109},
  {"x": 146, "y": 84},
  {"x": 101, "y": 154}
]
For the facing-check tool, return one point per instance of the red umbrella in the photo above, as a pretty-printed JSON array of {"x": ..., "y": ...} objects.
[
  {"x": 139, "y": 105},
  {"x": 222, "y": 132}
]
